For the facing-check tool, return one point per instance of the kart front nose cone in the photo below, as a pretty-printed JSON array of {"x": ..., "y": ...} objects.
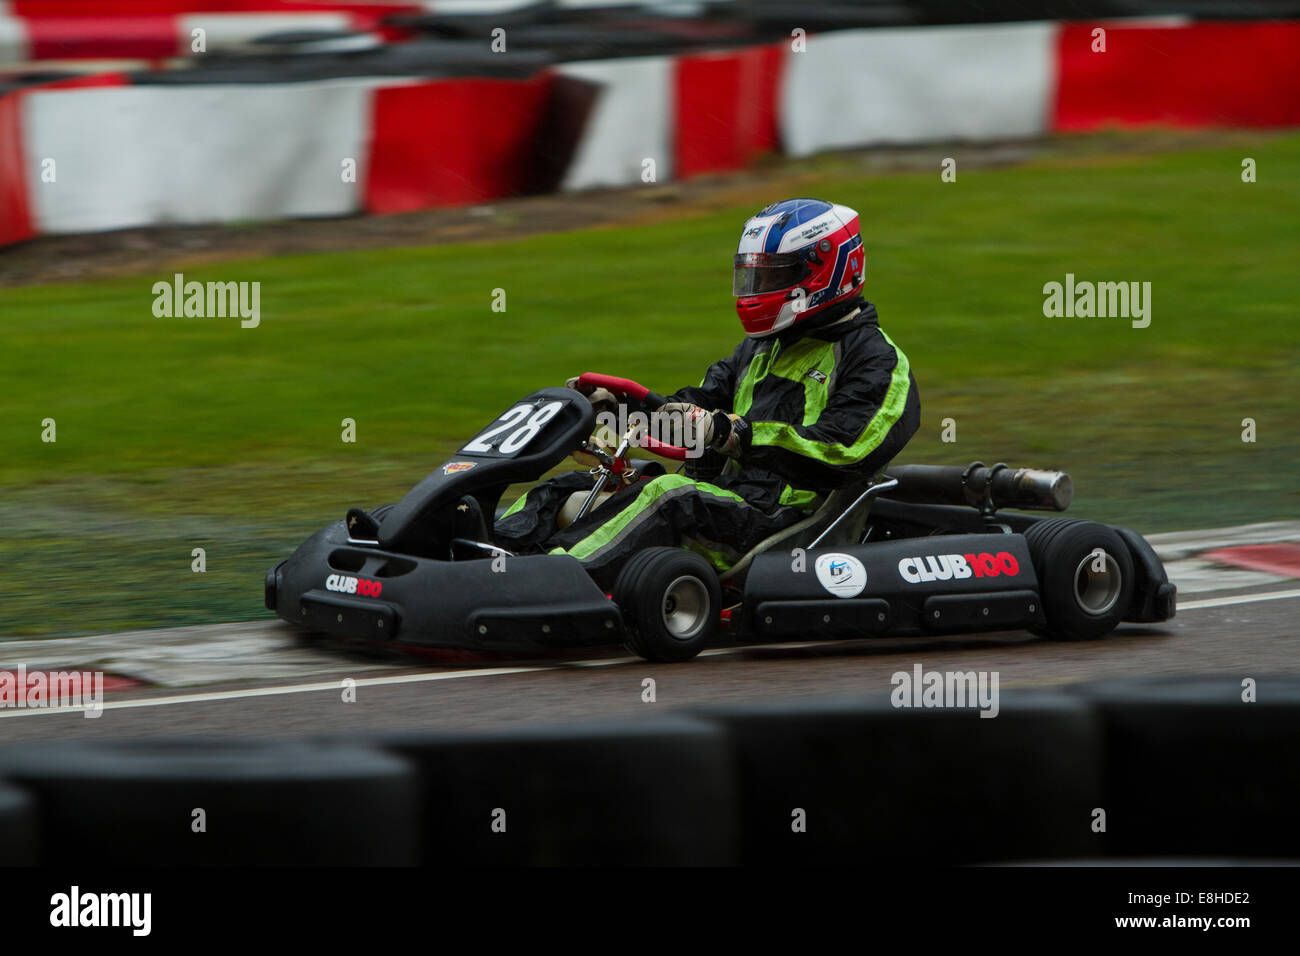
[
  {"x": 686, "y": 605},
  {"x": 272, "y": 586}
]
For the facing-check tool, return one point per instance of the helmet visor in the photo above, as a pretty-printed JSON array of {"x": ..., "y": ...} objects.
[{"x": 756, "y": 272}]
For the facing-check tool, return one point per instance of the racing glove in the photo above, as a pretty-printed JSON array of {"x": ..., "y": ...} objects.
[
  {"x": 602, "y": 399},
  {"x": 698, "y": 428}
]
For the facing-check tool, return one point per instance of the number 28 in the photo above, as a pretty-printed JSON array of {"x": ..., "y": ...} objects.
[{"x": 524, "y": 431}]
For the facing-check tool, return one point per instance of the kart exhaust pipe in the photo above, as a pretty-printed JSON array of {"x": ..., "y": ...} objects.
[{"x": 987, "y": 488}]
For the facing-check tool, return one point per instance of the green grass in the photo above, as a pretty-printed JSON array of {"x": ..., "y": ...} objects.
[{"x": 183, "y": 433}]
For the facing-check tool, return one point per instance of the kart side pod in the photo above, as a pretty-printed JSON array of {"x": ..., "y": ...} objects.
[{"x": 939, "y": 584}]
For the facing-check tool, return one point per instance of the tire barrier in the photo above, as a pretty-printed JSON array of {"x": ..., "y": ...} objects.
[
  {"x": 1191, "y": 767},
  {"x": 939, "y": 786},
  {"x": 1129, "y": 772},
  {"x": 655, "y": 792},
  {"x": 17, "y": 827},
  {"x": 203, "y": 802}
]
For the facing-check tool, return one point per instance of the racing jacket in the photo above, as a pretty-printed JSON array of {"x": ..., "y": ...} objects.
[{"x": 819, "y": 406}]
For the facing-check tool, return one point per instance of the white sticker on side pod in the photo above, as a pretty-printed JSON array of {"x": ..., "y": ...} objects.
[{"x": 841, "y": 574}]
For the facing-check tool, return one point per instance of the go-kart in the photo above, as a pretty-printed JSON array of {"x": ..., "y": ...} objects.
[{"x": 922, "y": 550}]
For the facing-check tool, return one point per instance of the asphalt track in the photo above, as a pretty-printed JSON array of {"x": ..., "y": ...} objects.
[{"x": 1247, "y": 631}]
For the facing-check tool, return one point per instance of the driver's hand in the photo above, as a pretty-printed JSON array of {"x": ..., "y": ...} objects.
[
  {"x": 602, "y": 399},
  {"x": 685, "y": 425},
  {"x": 698, "y": 428},
  {"x": 586, "y": 458}
]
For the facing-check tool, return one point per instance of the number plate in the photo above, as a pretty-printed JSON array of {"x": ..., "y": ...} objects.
[{"x": 513, "y": 431}]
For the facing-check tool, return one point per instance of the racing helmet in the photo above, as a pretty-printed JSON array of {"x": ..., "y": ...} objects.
[{"x": 796, "y": 257}]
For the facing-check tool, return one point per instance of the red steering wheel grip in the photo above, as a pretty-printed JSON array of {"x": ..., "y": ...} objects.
[
  {"x": 619, "y": 386},
  {"x": 675, "y": 452}
]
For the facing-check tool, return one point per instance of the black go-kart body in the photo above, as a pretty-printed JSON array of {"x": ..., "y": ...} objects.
[{"x": 921, "y": 550}]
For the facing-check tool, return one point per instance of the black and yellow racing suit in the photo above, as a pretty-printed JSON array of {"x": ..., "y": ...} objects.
[{"x": 825, "y": 403}]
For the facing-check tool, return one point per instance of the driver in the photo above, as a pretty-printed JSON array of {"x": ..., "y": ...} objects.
[{"x": 814, "y": 397}]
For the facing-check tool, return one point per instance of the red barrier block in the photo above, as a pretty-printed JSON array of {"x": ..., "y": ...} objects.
[
  {"x": 726, "y": 108},
  {"x": 103, "y": 38},
  {"x": 15, "y": 208},
  {"x": 55, "y": 9},
  {"x": 1204, "y": 74},
  {"x": 453, "y": 142}
]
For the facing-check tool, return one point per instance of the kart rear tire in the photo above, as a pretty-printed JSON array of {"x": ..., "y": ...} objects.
[
  {"x": 1080, "y": 603},
  {"x": 670, "y": 599}
]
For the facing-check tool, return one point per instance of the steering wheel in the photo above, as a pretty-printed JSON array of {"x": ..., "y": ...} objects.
[{"x": 651, "y": 401}]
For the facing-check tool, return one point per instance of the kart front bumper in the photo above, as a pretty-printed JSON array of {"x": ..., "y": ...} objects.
[{"x": 507, "y": 603}]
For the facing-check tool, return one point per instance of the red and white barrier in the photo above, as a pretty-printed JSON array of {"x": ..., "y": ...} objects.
[
  {"x": 632, "y": 122},
  {"x": 143, "y": 155},
  {"x": 36, "y": 30},
  {"x": 691, "y": 114}
]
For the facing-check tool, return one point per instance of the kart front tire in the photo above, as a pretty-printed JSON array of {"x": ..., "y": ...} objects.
[
  {"x": 1085, "y": 577},
  {"x": 670, "y": 600}
]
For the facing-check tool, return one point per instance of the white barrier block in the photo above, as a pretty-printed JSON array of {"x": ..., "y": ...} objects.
[
  {"x": 153, "y": 155},
  {"x": 14, "y": 47},
  {"x": 917, "y": 84},
  {"x": 631, "y": 122},
  {"x": 235, "y": 31}
]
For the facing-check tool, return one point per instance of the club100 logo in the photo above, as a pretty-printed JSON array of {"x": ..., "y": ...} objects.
[
  {"x": 946, "y": 567},
  {"x": 347, "y": 584}
]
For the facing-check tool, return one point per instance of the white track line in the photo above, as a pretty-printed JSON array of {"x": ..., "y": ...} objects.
[
  {"x": 336, "y": 685},
  {"x": 288, "y": 689},
  {"x": 425, "y": 677},
  {"x": 1238, "y": 599}
]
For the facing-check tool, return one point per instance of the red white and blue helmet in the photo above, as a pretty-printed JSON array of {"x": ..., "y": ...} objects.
[{"x": 795, "y": 258}]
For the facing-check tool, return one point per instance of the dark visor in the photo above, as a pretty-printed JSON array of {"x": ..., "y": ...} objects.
[{"x": 757, "y": 272}]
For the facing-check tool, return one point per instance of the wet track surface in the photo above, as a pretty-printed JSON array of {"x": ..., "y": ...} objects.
[{"x": 1252, "y": 638}]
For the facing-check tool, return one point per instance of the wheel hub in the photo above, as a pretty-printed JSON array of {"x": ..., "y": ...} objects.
[
  {"x": 1097, "y": 582},
  {"x": 686, "y": 602}
]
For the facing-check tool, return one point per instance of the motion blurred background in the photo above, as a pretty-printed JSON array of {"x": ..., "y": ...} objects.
[{"x": 383, "y": 169}]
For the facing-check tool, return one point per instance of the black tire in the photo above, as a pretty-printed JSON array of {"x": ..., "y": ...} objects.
[
  {"x": 670, "y": 599},
  {"x": 18, "y": 822},
  {"x": 266, "y": 803},
  {"x": 1079, "y": 602},
  {"x": 657, "y": 791}
]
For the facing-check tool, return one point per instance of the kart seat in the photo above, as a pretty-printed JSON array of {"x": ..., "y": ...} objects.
[{"x": 802, "y": 533}]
